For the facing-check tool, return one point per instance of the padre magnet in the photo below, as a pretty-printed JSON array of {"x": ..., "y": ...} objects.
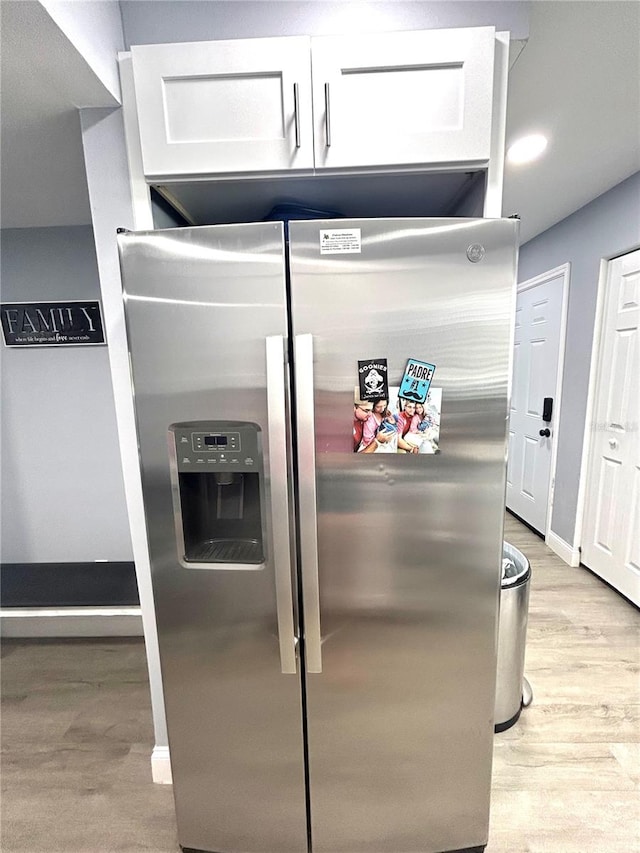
[{"x": 416, "y": 380}]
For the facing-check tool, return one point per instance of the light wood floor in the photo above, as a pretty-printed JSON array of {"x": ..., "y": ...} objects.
[
  {"x": 77, "y": 734},
  {"x": 567, "y": 776}
]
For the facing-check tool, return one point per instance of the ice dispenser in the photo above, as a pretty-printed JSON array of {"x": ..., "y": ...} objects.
[{"x": 216, "y": 472}]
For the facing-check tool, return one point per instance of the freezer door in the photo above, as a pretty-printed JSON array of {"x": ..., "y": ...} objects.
[
  {"x": 400, "y": 567},
  {"x": 206, "y": 321}
]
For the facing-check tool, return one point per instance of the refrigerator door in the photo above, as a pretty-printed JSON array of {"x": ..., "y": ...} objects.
[
  {"x": 207, "y": 319},
  {"x": 400, "y": 568}
]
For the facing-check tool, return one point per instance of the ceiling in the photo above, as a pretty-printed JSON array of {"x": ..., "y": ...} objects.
[{"x": 577, "y": 81}]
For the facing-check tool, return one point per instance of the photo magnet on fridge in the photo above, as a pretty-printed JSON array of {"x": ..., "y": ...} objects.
[
  {"x": 396, "y": 425},
  {"x": 372, "y": 379},
  {"x": 416, "y": 380}
]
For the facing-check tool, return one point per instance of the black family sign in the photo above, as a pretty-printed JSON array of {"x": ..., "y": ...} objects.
[{"x": 46, "y": 324}]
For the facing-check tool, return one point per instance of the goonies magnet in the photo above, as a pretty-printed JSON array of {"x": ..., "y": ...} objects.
[{"x": 372, "y": 378}]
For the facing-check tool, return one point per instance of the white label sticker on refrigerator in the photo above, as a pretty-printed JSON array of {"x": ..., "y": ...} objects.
[{"x": 340, "y": 241}]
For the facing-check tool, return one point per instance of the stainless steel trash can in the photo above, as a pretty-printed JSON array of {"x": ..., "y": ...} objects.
[{"x": 512, "y": 689}]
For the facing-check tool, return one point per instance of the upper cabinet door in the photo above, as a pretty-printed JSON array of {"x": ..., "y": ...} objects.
[
  {"x": 207, "y": 108},
  {"x": 403, "y": 98}
]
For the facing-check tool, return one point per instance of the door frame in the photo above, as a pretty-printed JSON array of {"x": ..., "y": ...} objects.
[
  {"x": 594, "y": 382},
  {"x": 563, "y": 270}
]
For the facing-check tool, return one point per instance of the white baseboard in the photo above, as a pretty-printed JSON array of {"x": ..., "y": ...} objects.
[
  {"x": 566, "y": 552},
  {"x": 71, "y": 622},
  {"x": 161, "y": 765}
]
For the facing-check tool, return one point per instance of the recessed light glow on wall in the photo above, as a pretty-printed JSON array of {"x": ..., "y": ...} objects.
[{"x": 527, "y": 149}]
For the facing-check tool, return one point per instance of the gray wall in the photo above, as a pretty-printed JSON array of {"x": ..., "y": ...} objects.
[
  {"x": 604, "y": 228},
  {"x": 147, "y": 22},
  {"x": 62, "y": 494}
]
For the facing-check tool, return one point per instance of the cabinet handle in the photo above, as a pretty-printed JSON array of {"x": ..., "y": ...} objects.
[
  {"x": 296, "y": 114},
  {"x": 327, "y": 114}
]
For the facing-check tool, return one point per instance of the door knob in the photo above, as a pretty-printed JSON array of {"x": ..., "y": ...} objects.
[{"x": 545, "y": 433}]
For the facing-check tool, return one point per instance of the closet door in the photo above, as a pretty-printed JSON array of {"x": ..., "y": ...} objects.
[
  {"x": 610, "y": 538},
  {"x": 403, "y": 98},
  {"x": 218, "y": 107}
]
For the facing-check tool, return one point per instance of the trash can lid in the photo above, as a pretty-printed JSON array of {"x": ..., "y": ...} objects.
[{"x": 515, "y": 566}]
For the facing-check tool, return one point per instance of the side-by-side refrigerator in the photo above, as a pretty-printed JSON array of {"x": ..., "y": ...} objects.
[{"x": 322, "y": 427}]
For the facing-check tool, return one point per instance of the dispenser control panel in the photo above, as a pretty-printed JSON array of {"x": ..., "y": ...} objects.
[
  {"x": 220, "y": 449},
  {"x": 216, "y": 442}
]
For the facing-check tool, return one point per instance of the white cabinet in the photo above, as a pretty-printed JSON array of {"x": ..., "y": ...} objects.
[
  {"x": 224, "y": 107},
  {"x": 403, "y": 98},
  {"x": 250, "y": 107}
]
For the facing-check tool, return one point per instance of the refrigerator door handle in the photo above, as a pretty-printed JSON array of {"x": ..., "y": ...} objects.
[
  {"x": 278, "y": 473},
  {"x": 303, "y": 353}
]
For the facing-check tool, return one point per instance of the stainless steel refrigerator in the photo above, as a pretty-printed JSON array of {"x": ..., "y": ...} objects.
[{"x": 327, "y": 617}]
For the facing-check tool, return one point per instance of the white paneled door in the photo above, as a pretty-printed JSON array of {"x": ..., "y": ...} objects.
[
  {"x": 611, "y": 528},
  {"x": 536, "y": 356}
]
